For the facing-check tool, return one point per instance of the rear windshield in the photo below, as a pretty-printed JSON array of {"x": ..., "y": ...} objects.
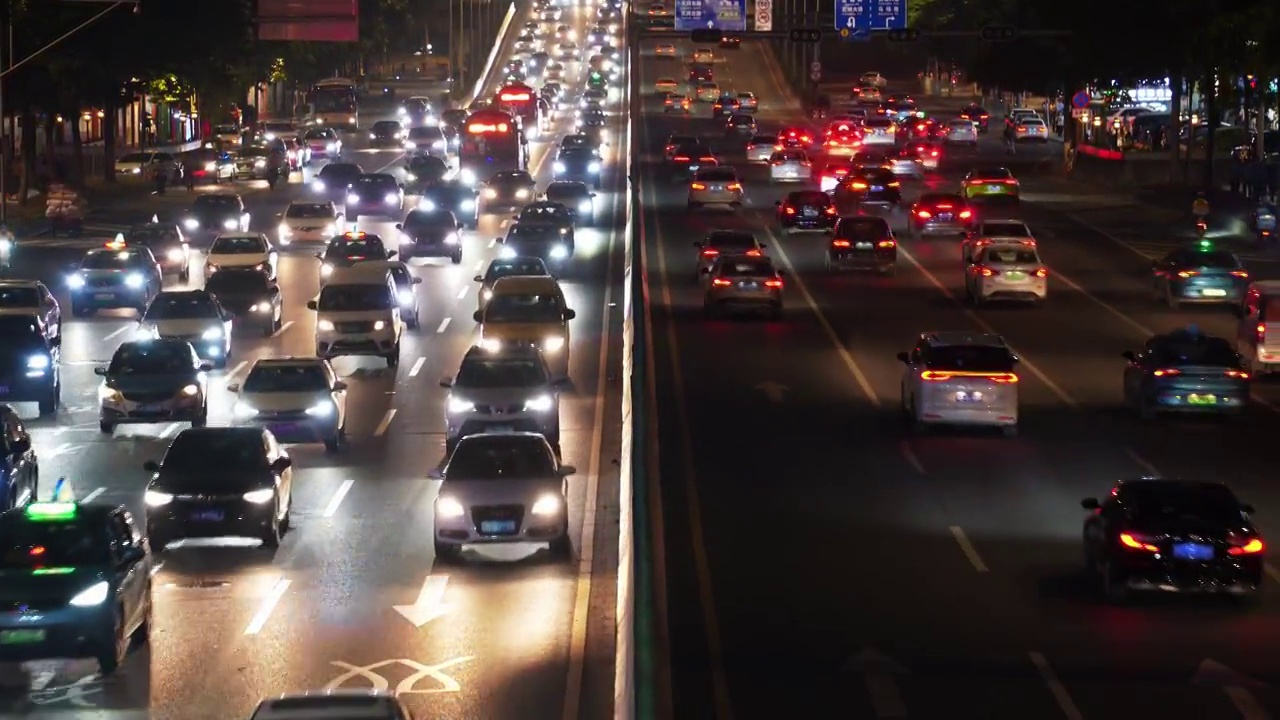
[
  {"x": 731, "y": 240},
  {"x": 1157, "y": 499},
  {"x": 814, "y": 197},
  {"x": 862, "y": 229},
  {"x": 238, "y": 245},
  {"x": 19, "y": 297},
  {"x": 309, "y": 210},
  {"x": 27, "y": 545},
  {"x": 1214, "y": 259},
  {"x": 1012, "y": 255},
  {"x": 718, "y": 175},
  {"x": 970, "y": 358},
  {"x": 1203, "y": 351},
  {"x": 746, "y": 269},
  {"x": 1005, "y": 230}
]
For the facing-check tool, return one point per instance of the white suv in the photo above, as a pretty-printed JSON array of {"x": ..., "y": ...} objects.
[
  {"x": 1006, "y": 271},
  {"x": 358, "y": 313},
  {"x": 960, "y": 378}
]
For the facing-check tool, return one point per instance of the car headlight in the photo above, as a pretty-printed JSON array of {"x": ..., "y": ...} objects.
[
  {"x": 547, "y": 505},
  {"x": 553, "y": 344},
  {"x": 560, "y": 167},
  {"x": 451, "y": 239},
  {"x": 191, "y": 390},
  {"x": 459, "y": 405},
  {"x": 392, "y": 198},
  {"x": 318, "y": 186},
  {"x": 467, "y": 205},
  {"x": 156, "y": 499},
  {"x": 379, "y": 325},
  {"x": 406, "y": 297},
  {"x": 585, "y": 206},
  {"x": 490, "y": 193},
  {"x": 210, "y": 167},
  {"x": 191, "y": 223},
  {"x": 75, "y": 282},
  {"x": 321, "y": 410},
  {"x": 467, "y": 176},
  {"x": 262, "y": 307},
  {"x": 243, "y": 409},
  {"x": 438, "y": 144},
  {"x": 212, "y": 333},
  {"x": 410, "y": 177},
  {"x": 331, "y": 229},
  {"x": 260, "y": 497},
  {"x": 426, "y": 205},
  {"x": 134, "y": 281},
  {"x": 401, "y": 112},
  {"x": 176, "y": 254},
  {"x": 491, "y": 344},
  {"x": 522, "y": 194},
  {"x": 210, "y": 268},
  {"x": 506, "y": 253},
  {"x": 230, "y": 224},
  {"x": 326, "y": 270},
  {"x": 487, "y": 294},
  {"x": 146, "y": 332},
  {"x": 449, "y": 507},
  {"x": 542, "y": 403},
  {"x": 324, "y": 325},
  {"x": 284, "y": 231},
  {"x": 559, "y": 252},
  {"x": 330, "y": 147},
  {"x": 38, "y": 362},
  {"x": 92, "y": 596},
  {"x": 352, "y": 198}
]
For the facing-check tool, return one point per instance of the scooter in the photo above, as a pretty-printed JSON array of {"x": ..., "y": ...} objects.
[{"x": 1264, "y": 223}]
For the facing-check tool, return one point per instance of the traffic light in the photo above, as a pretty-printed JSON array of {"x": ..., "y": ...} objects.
[
  {"x": 903, "y": 35},
  {"x": 806, "y": 35},
  {"x": 706, "y": 35},
  {"x": 999, "y": 33}
]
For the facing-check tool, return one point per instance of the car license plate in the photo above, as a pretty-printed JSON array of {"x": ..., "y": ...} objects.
[
  {"x": 863, "y": 245},
  {"x": 1015, "y": 276},
  {"x": 104, "y": 296},
  {"x": 877, "y": 188},
  {"x": 150, "y": 407},
  {"x": 1213, "y": 292},
  {"x": 748, "y": 285},
  {"x": 498, "y": 527},
  {"x": 809, "y": 212},
  {"x": 21, "y": 637},
  {"x": 1192, "y": 551},
  {"x": 945, "y": 217},
  {"x": 1202, "y": 399},
  {"x": 208, "y": 516},
  {"x": 693, "y": 168},
  {"x": 284, "y": 428},
  {"x": 968, "y": 397}
]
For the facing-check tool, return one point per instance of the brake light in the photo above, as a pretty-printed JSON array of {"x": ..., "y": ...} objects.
[
  {"x": 1042, "y": 272},
  {"x": 924, "y": 214},
  {"x": 710, "y": 252},
  {"x": 1238, "y": 374},
  {"x": 773, "y": 284},
  {"x": 1253, "y": 547},
  {"x": 1261, "y": 331},
  {"x": 985, "y": 116},
  {"x": 895, "y": 184},
  {"x": 735, "y": 186},
  {"x": 805, "y": 139},
  {"x": 988, "y": 272},
  {"x": 720, "y": 282},
  {"x": 858, "y": 185},
  {"x": 965, "y": 214},
  {"x": 707, "y": 159},
  {"x": 943, "y": 375},
  {"x": 1134, "y": 542},
  {"x": 777, "y": 148},
  {"x": 697, "y": 186},
  {"x": 831, "y": 210},
  {"x": 933, "y": 154},
  {"x": 789, "y": 210},
  {"x": 840, "y": 243},
  {"x": 944, "y": 206},
  {"x": 885, "y": 244},
  {"x": 753, "y": 253},
  {"x": 1240, "y": 273},
  {"x": 681, "y": 158},
  {"x": 1188, "y": 273},
  {"x": 1167, "y": 372}
]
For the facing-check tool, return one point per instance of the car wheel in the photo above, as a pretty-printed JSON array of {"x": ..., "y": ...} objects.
[
  {"x": 110, "y": 656},
  {"x": 142, "y": 634},
  {"x": 106, "y": 427},
  {"x": 562, "y": 547},
  {"x": 49, "y": 405},
  {"x": 184, "y": 275},
  {"x": 271, "y": 535},
  {"x": 415, "y": 323},
  {"x": 456, "y": 258},
  {"x": 334, "y": 444},
  {"x": 393, "y": 358}
]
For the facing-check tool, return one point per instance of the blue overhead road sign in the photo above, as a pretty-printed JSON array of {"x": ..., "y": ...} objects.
[
  {"x": 717, "y": 14},
  {"x": 860, "y": 17}
]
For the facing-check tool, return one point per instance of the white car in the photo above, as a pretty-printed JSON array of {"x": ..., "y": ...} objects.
[
  {"x": 960, "y": 378},
  {"x": 790, "y": 166},
  {"x": 241, "y": 250},
  {"x": 868, "y": 93},
  {"x": 961, "y": 132},
  {"x": 1031, "y": 129},
  {"x": 502, "y": 488},
  {"x": 879, "y": 132},
  {"x": 715, "y": 186},
  {"x": 32, "y": 297},
  {"x": 146, "y": 164},
  {"x": 760, "y": 148},
  {"x": 994, "y": 231},
  {"x": 1006, "y": 271},
  {"x": 872, "y": 78},
  {"x": 299, "y": 399},
  {"x": 310, "y": 222},
  {"x": 323, "y": 143},
  {"x": 357, "y": 313},
  {"x": 194, "y": 316}
]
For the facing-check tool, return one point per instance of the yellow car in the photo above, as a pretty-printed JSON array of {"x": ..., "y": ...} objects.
[
  {"x": 667, "y": 50},
  {"x": 990, "y": 183},
  {"x": 666, "y": 84},
  {"x": 528, "y": 310},
  {"x": 703, "y": 56}
]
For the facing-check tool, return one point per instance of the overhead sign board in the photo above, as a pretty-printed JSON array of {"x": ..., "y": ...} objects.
[
  {"x": 309, "y": 20},
  {"x": 764, "y": 15},
  {"x": 717, "y": 14},
  {"x": 860, "y": 17}
]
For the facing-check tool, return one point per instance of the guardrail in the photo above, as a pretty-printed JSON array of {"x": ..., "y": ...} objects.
[{"x": 494, "y": 55}]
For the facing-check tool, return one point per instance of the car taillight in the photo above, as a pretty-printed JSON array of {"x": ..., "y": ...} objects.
[
  {"x": 985, "y": 116},
  {"x": 933, "y": 154},
  {"x": 707, "y": 159},
  {"x": 895, "y": 184},
  {"x": 1137, "y": 542},
  {"x": 886, "y": 244},
  {"x": 1261, "y": 332},
  {"x": 924, "y": 214},
  {"x": 831, "y": 210},
  {"x": 720, "y": 282},
  {"x": 839, "y": 243},
  {"x": 1167, "y": 372},
  {"x": 1188, "y": 273},
  {"x": 1004, "y": 378},
  {"x": 1238, "y": 374},
  {"x": 681, "y": 158},
  {"x": 776, "y": 148},
  {"x": 806, "y": 139},
  {"x": 1252, "y": 547},
  {"x": 735, "y": 186},
  {"x": 710, "y": 252},
  {"x": 944, "y": 207},
  {"x": 965, "y": 214},
  {"x": 697, "y": 186},
  {"x": 753, "y": 253},
  {"x": 858, "y": 185},
  {"x": 789, "y": 210},
  {"x": 988, "y": 272},
  {"x": 1042, "y": 272},
  {"x": 1241, "y": 273}
]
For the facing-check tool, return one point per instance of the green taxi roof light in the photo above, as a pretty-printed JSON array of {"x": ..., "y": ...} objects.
[
  {"x": 53, "y": 571},
  {"x": 51, "y": 510},
  {"x": 1206, "y": 245}
]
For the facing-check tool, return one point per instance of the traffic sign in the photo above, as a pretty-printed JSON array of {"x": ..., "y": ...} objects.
[
  {"x": 861, "y": 16},
  {"x": 1080, "y": 100},
  {"x": 764, "y": 15},
  {"x": 728, "y": 15},
  {"x": 815, "y": 71},
  {"x": 853, "y": 36}
]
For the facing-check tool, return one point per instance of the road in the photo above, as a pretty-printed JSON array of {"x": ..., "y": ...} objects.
[
  {"x": 817, "y": 557},
  {"x": 515, "y": 636}
]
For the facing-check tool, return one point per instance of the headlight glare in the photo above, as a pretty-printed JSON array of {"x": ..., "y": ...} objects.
[
  {"x": 459, "y": 405},
  {"x": 93, "y": 595},
  {"x": 260, "y": 497},
  {"x": 541, "y": 403},
  {"x": 321, "y": 410},
  {"x": 212, "y": 333},
  {"x": 75, "y": 282},
  {"x": 156, "y": 499},
  {"x": 547, "y": 505},
  {"x": 134, "y": 281},
  {"x": 191, "y": 390},
  {"x": 38, "y": 362},
  {"x": 324, "y": 325},
  {"x": 449, "y": 507},
  {"x": 553, "y": 343}
]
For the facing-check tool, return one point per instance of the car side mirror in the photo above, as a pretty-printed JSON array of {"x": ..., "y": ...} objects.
[
  {"x": 593, "y": 195},
  {"x": 478, "y": 278},
  {"x": 1247, "y": 509},
  {"x": 281, "y": 464},
  {"x": 151, "y": 466},
  {"x": 312, "y": 305},
  {"x": 271, "y": 290},
  {"x": 205, "y": 366},
  {"x": 435, "y": 474},
  {"x": 1128, "y": 355},
  {"x": 20, "y": 446},
  {"x": 233, "y": 387},
  {"x": 1090, "y": 503},
  {"x": 567, "y": 470},
  {"x": 477, "y": 316},
  {"x": 446, "y": 382},
  {"x": 904, "y": 358},
  {"x": 100, "y": 371},
  {"x": 570, "y": 314},
  {"x": 391, "y": 253}
]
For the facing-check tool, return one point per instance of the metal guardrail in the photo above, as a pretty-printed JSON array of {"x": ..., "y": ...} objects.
[{"x": 494, "y": 55}]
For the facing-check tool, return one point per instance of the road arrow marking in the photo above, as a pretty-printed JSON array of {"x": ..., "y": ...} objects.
[
  {"x": 430, "y": 604},
  {"x": 881, "y": 673},
  {"x": 1237, "y": 686},
  {"x": 776, "y": 392}
]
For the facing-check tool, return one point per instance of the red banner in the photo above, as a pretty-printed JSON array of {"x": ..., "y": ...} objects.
[{"x": 309, "y": 20}]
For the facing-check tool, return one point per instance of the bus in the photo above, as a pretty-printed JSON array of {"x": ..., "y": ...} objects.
[
  {"x": 521, "y": 101},
  {"x": 491, "y": 142},
  {"x": 334, "y": 104}
]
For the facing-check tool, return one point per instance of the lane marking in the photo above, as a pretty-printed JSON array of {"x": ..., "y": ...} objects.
[
  {"x": 909, "y": 454},
  {"x": 417, "y": 366},
  {"x": 463, "y": 293},
  {"x": 268, "y": 606},
  {"x": 1142, "y": 462},
  {"x": 479, "y": 266},
  {"x": 386, "y": 422},
  {"x": 283, "y": 329},
  {"x": 170, "y": 430},
  {"x": 338, "y": 495},
  {"x": 236, "y": 370},
  {"x": 968, "y": 549},
  {"x": 117, "y": 333},
  {"x": 1056, "y": 688},
  {"x": 93, "y": 495},
  {"x": 493, "y": 242},
  {"x": 444, "y": 324}
]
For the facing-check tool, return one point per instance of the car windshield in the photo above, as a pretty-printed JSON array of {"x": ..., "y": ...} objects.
[
  {"x": 731, "y": 241},
  {"x": 1158, "y": 499},
  {"x": 355, "y": 298},
  {"x": 511, "y": 178},
  {"x": 238, "y": 245},
  {"x": 135, "y": 158},
  {"x": 970, "y": 358},
  {"x": 383, "y": 127},
  {"x": 19, "y": 297},
  {"x": 250, "y": 152},
  {"x": 567, "y": 192},
  {"x": 1015, "y": 229},
  {"x": 577, "y": 154},
  {"x": 866, "y": 229},
  {"x": 196, "y": 451},
  {"x": 29, "y": 545},
  {"x": 111, "y": 260},
  {"x": 524, "y": 309},
  {"x": 216, "y": 203},
  {"x": 425, "y": 134},
  {"x": 1182, "y": 350},
  {"x": 237, "y": 282},
  {"x": 746, "y": 269},
  {"x": 501, "y": 373},
  {"x": 517, "y": 267},
  {"x": 533, "y": 231},
  {"x": 1216, "y": 259},
  {"x": 790, "y": 156},
  {"x": 319, "y": 135},
  {"x": 1017, "y": 256},
  {"x": 280, "y": 378},
  {"x": 500, "y": 458},
  {"x": 310, "y": 210},
  {"x": 375, "y": 182},
  {"x": 543, "y": 213},
  {"x": 367, "y": 247},
  {"x": 182, "y": 307},
  {"x": 151, "y": 358},
  {"x": 334, "y": 173}
]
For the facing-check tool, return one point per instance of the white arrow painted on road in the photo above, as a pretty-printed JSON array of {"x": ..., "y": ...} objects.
[
  {"x": 881, "y": 673},
  {"x": 776, "y": 392},
  {"x": 430, "y": 604},
  {"x": 1237, "y": 687}
]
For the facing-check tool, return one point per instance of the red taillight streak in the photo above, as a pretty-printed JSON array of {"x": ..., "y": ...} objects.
[
  {"x": 698, "y": 186},
  {"x": 681, "y": 158},
  {"x": 840, "y": 243},
  {"x": 944, "y": 207},
  {"x": 858, "y": 186},
  {"x": 1134, "y": 543},
  {"x": 830, "y": 210},
  {"x": 753, "y": 253},
  {"x": 710, "y": 252},
  {"x": 1240, "y": 273},
  {"x": 706, "y": 159},
  {"x": 1261, "y": 332},
  {"x": 1252, "y": 547},
  {"x": 987, "y": 272},
  {"x": 1042, "y": 272},
  {"x": 721, "y": 282},
  {"x": 924, "y": 214},
  {"x": 965, "y": 214},
  {"x": 1167, "y": 372},
  {"x": 735, "y": 186},
  {"x": 942, "y": 376},
  {"x": 789, "y": 210},
  {"x": 884, "y": 244},
  {"x": 1239, "y": 374},
  {"x": 773, "y": 283},
  {"x": 1188, "y": 273}
]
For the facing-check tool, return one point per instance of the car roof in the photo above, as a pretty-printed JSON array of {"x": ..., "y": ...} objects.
[
  {"x": 94, "y": 510},
  {"x": 947, "y": 338},
  {"x": 521, "y": 284}
]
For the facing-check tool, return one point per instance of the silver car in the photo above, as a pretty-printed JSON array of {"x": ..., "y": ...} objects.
[
  {"x": 743, "y": 284},
  {"x": 505, "y": 391},
  {"x": 762, "y": 147},
  {"x": 907, "y": 163},
  {"x": 961, "y": 132},
  {"x": 790, "y": 166},
  {"x": 715, "y": 186}
]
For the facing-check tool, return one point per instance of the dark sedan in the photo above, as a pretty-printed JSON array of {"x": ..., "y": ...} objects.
[
  {"x": 1185, "y": 371},
  {"x": 540, "y": 240},
  {"x": 869, "y": 186},
  {"x": 153, "y": 381},
  {"x": 575, "y": 196},
  {"x": 863, "y": 242},
  {"x": 251, "y": 298},
  {"x": 941, "y": 214},
  {"x": 579, "y": 164},
  {"x": 806, "y": 210},
  {"x": 430, "y": 234},
  {"x": 1200, "y": 275},
  {"x": 455, "y": 197}
]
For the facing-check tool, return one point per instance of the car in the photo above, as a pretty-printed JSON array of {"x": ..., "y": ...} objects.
[
  {"x": 358, "y": 313},
  {"x": 166, "y": 242},
  {"x": 790, "y": 166},
  {"x": 528, "y": 310},
  {"x": 760, "y": 148},
  {"x": 941, "y": 214},
  {"x": 978, "y": 115},
  {"x": 509, "y": 390},
  {"x": 901, "y": 109},
  {"x": 576, "y": 196},
  {"x": 20, "y": 471},
  {"x": 425, "y": 171},
  {"x": 455, "y": 197},
  {"x": 833, "y": 173},
  {"x": 960, "y": 378},
  {"x": 665, "y": 50},
  {"x": 666, "y": 84},
  {"x": 297, "y": 399},
  {"x": 806, "y": 210},
  {"x": 208, "y": 165},
  {"x": 160, "y": 380},
  {"x": 740, "y": 283},
  {"x": 872, "y": 79},
  {"x": 502, "y": 488},
  {"x": 1006, "y": 271},
  {"x": 309, "y": 221},
  {"x": 1172, "y": 535},
  {"x": 676, "y": 103},
  {"x": 907, "y": 163},
  {"x": 427, "y": 140},
  {"x": 879, "y": 131},
  {"x": 32, "y": 297},
  {"x": 690, "y": 158},
  {"x": 324, "y": 143},
  {"x": 930, "y": 155},
  {"x": 730, "y": 42},
  {"x": 551, "y": 213},
  {"x": 213, "y": 213},
  {"x": 794, "y": 137},
  {"x": 30, "y": 363},
  {"x": 578, "y": 164},
  {"x": 724, "y": 243},
  {"x": 219, "y": 482},
  {"x": 262, "y": 163},
  {"x": 862, "y": 242},
  {"x": 592, "y": 122},
  {"x": 701, "y": 74},
  {"x": 990, "y": 183},
  {"x": 298, "y": 154},
  {"x": 715, "y": 186},
  {"x": 506, "y": 190},
  {"x": 703, "y": 56},
  {"x": 740, "y": 125},
  {"x": 334, "y": 179},
  {"x": 346, "y": 703},
  {"x": 249, "y": 297},
  {"x": 417, "y": 111},
  {"x": 406, "y": 291},
  {"x": 107, "y": 278},
  {"x": 724, "y": 106},
  {"x": 868, "y": 186},
  {"x": 88, "y": 571},
  {"x": 958, "y": 131},
  {"x": 1201, "y": 274},
  {"x": 580, "y": 140},
  {"x": 507, "y": 267},
  {"x": 1186, "y": 371},
  {"x": 675, "y": 143},
  {"x": 349, "y": 249},
  {"x": 434, "y": 233},
  {"x": 376, "y": 194},
  {"x": 242, "y": 249},
  {"x": 994, "y": 231},
  {"x": 707, "y": 91},
  {"x": 538, "y": 239},
  {"x": 193, "y": 316},
  {"x": 1031, "y": 129}
]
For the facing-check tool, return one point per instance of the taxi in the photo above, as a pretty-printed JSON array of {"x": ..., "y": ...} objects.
[
  {"x": 842, "y": 145},
  {"x": 991, "y": 183},
  {"x": 528, "y": 310},
  {"x": 665, "y": 50},
  {"x": 77, "y": 583},
  {"x": 666, "y": 84},
  {"x": 703, "y": 56}
]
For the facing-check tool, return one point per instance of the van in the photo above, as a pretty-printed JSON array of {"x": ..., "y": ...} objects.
[
  {"x": 358, "y": 313},
  {"x": 1258, "y": 332},
  {"x": 528, "y": 310}
]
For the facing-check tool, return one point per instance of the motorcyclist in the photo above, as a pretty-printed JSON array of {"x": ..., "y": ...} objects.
[
  {"x": 1264, "y": 218},
  {"x": 1009, "y": 136},
  {"x": 1200, "y": 210}
]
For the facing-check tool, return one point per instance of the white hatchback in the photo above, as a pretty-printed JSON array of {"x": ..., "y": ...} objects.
[
  {"x": 1007, "y": 271},
  {"x": 960, "y": 378},
  {"x": 790, "y": 166}
]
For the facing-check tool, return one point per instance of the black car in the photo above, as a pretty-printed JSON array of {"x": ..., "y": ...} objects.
[
  {"x": 216, "y": 213},
  {"x": 1186, "y": 371},
  {"x": 579, "y": 140},
  {"x": 219, "y": 482},
  {"x": 160, "y": 380},
  {"x": 731, "y": 42},
  {"x": 551, "y": 213},
  {"x": 250, "y": 296},
  {"x": 1182, "y": 536},
  {"x": 869, "y": 186},
  {"x": 20, "y": 469},
  {"x": 455, "y": 197},
  {"x": 424, "y": 171},
  {"x": 415, "y": 111},
  {"x": 1201, "y": 275},
  {"x": 434, "y": 233},
  {"x": 592, "y": 124},
  {"x": 387, "y": 133},
  {"x": 578, "y": 164},
  {"x": 540, "y": 240},
  {"x": 725, "y": 105},
  {"x": 977, "y": 114},
  {"x": 863, "y": 242},
  {"x": 167, "y": 243},
  {"x": 334, "y": 179},
  {"x": 688, "y": 158},
  {"x": 507, "y": 189},
  {"x": 377, "y": 194},
  {"x": 107, "y": 278},
  {"x": 77, "y": 578},
  {"x": 806, "y": 210},
  {"x": 700, "y": 74},
  {"x": 350, "y": 248},
  {"x": 576, "y": 197}
]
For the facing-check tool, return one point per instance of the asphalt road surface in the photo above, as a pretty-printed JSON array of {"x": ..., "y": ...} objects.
[
  {"x": 517, "y": 635},
  {"x": 819, "y": 560}
]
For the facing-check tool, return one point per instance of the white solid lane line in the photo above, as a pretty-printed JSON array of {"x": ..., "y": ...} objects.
[
  {"x": 336, "y": 500},
  {"x": 93, "y": 495},
  {"x": 968, "y": 549},
  {"x": 170, "y": 430},
  {"x": 493, "y": 242},
  {"x": 463, "y": 293},
  {"x": 417, "y": 367},
  {"x": 268, "y": 606},
  {"x": 283, "y": 329},
  {"x": 386, "y": 422},
  {"x": 443, "y": 325},
  {"x": 236, "y": 371},
  {"x": 117, "y": 333}
]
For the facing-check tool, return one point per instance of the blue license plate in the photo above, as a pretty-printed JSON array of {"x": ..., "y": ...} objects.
[
  {"x": 4, "y": 390},
  {"x": 748, "y": 285},
  {"x": 208, "y": 516},
  {"x": 877, "y": 188},
  {"x": 1193, "y": 551},
  {"x": 284, "y": 428},
  {"x": 810, "y": 212},
  {"x": 945, "y": 217},
  {"x": 150, "y": 407},
  {"x": 498, "y": 527}
]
